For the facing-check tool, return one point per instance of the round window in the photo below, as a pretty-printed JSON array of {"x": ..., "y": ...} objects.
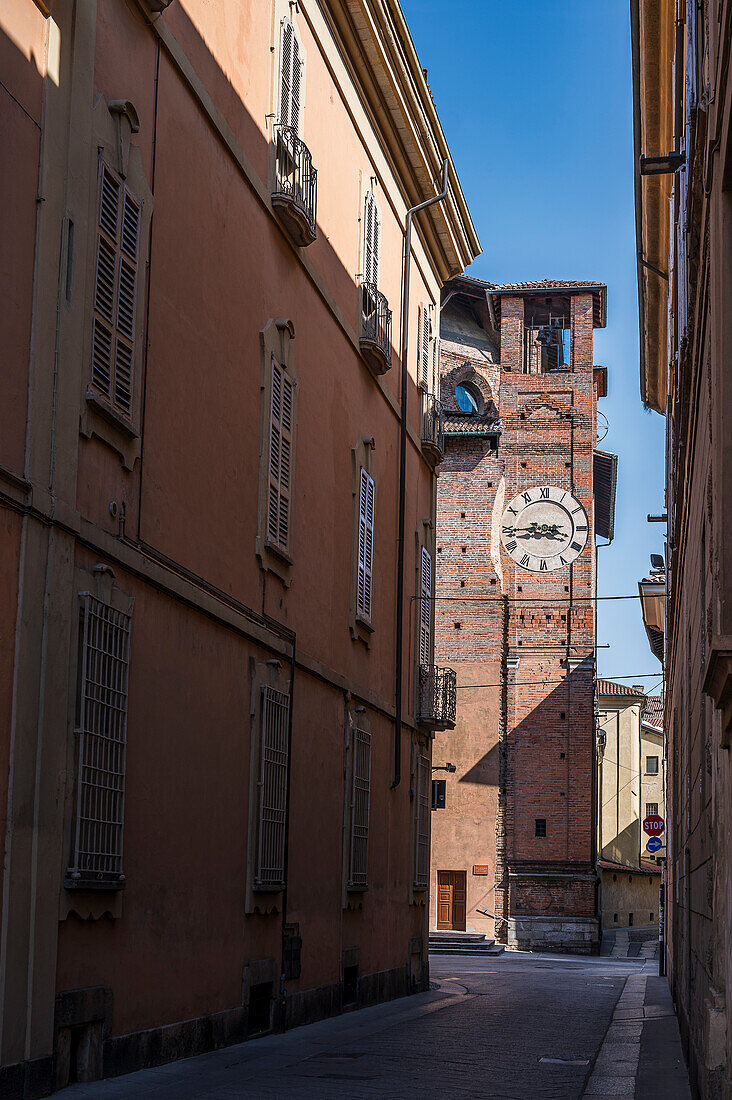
[{"x": 468, "y": 398}]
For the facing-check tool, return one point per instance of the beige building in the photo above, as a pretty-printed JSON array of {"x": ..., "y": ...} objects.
[
  {"x": 682, "y": 117},
  {"x": 630, "y": 786},
  {"x": 215, "y": 729}
]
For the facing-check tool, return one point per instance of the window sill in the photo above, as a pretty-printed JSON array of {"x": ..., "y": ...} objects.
[
  {"x": 357, "y": 889},
  {"x": 365, "y": 624},
  {"x": 100, "y": 419},
  {"x": 273, "y": 548},
  {"x": 262, "y": 889},
  {"x": 89, "y": 885}
]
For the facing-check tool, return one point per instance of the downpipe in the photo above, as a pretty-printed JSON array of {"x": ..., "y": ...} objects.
[{"x": 404, "y": 353}]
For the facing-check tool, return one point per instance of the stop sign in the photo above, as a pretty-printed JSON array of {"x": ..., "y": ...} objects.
[{"x": 653, "y": 825}]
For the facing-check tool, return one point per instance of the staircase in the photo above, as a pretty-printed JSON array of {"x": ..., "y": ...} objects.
[{"x": 463, "y": 943}]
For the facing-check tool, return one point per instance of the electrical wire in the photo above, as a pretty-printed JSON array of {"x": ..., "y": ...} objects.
[
  {"x": 541, "y": 599},
  {"x": 543, "y": 683}
]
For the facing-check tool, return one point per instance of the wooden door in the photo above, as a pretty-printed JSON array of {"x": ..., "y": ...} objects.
[{"x": 451, "y": 900}]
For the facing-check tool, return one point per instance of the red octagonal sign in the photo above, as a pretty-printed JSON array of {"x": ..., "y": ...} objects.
[{"x": 653, "y": 825}]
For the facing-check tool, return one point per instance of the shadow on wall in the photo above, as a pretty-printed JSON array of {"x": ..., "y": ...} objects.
[{"x": 485, "y": 771}]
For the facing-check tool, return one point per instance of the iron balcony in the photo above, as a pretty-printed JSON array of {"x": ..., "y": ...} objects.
[
  {"x": 295, "y": 196},
  {"x": 375, "y": 339},
  {"x": 433, "y": 430},
  {"x": 437, "y": 697}
]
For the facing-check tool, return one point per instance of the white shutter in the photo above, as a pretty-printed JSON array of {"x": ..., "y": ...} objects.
[
  {"x": 360, "y": 798},
  {"x": 115, "y": 291},
  {"x": 421, "y": 810},
  {"x": 425, "y": 607},
  {"x": 371, "y": 235},
  {"x": 272, "y": 789},
  {"x": 280, "y": 457},
  {"x": 365, "y": 544},
  {"x": 104, "y": 651},
  {"x": 425, "y": 347},
  {"x": 290, "y": 77}
]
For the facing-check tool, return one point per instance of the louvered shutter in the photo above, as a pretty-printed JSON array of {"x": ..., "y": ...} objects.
[
  {"x": 115, "y": 291},
  {"x": 280, "y": 457},
  {"x": 360, "y": 798},
  {"x": 425, "y": 607},
  {"x": 290, "y": 77},
  {"x": 372, "y": 231},
  {"x": 425, "y": 346},
  {"x": 365, "y": 544},
  {"x": 422, "y": 823}
]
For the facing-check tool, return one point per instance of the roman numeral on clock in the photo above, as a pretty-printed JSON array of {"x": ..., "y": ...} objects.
[
  {"x": 576, "y": 546},
  {"x": 511, "y": 546},
  {"x": 543, "y": 566},
  {"x": 525, "y": 559},
  {"x": 580, "y": 528},
  {"x": 527, "y": 497},
  {"x": 544, "y": 494}
]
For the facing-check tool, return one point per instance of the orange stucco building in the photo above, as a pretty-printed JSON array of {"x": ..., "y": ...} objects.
[{"x": 214, "y": 750}]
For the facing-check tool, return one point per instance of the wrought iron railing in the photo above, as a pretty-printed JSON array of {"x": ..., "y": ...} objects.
[
  {"x": 437, "y": 696},
  {"x": 376, "y": 319},
  {"x": 433, "y": 431},
  {"x": 295, "y": 177}
]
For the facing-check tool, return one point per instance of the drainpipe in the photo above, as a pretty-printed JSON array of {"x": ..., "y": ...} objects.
[{"x": 404, "y": 350}]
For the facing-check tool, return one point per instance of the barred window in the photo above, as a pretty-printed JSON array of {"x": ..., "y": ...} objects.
[
  {"x": 115, "y": 291},
  {"x": 101, "y": 728},
  {"x": 421, "y": 817},
  {"x": 269, "y": 870},
  {"x": 651, "y": 809},
  {"x": 359, "y": 810}
]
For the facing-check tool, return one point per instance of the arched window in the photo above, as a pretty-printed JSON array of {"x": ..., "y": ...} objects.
[{"x": 469, "y": 398}]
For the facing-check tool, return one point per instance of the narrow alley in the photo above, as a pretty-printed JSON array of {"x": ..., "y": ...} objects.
[{"x": 519, "y": 1026}]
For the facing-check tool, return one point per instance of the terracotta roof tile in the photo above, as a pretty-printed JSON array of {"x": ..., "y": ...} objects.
[
  {"x": 609, "y": 687},
  {"x": 546, "y": 284}
]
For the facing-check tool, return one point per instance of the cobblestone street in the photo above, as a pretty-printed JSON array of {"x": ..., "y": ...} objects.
[{"x": 518, "y": 1026}]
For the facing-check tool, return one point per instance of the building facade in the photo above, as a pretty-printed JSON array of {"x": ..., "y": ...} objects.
[
  {"x": 683, "y": 144},
  {"x": 522, "y": 496},
  {"x": 631, "y": 788},
  {"x": 216, "y": 813}
]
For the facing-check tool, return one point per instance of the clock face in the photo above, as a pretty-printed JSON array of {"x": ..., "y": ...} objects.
[{"x": 544, "y": 528}]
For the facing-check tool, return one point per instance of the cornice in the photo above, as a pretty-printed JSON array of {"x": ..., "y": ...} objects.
[{"x": 376, "y": 42}]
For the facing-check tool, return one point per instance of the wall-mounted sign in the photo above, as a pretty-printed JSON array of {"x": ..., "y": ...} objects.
[
  {"x": 655, "y": 844},
  {"x": 480, "y": 868}
]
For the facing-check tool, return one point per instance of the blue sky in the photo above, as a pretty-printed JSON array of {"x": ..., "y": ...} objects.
[{"x": 535, "y": 99}]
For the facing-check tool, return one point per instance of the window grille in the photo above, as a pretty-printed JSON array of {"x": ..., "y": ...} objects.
[
  {"x": 101, "y": 728},
  {"x": 365, "y": 544},
  {"x": 360, "y": 798},
  {"x": 425, "y": 607},
  {"x": 425, "y": 344},
  {"x": 421, "y": 810},
  {"x": 651, "y": 808},
  {"x": 272, "y": 790},
  {"x": 115, "y": 290},
  {"x": 290, "y": 77},
  {"x": 280, "y": 457}
]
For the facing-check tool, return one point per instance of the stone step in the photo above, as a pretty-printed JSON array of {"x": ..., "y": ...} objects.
[
  {"x": 489, "y": 948},
  {"x": 452, "y": 934}
]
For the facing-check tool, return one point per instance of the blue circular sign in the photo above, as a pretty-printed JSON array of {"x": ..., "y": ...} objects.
[{"x": 654, "y": 844}]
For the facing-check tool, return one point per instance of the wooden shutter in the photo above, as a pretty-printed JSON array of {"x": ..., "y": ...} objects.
[
  {"x": 280, "y": 457},
  {"x": 101, "y": 726},
  {"x": 425, "y": 347},
  {"x": 371, "y": 238},
  {"x": 115, "y": 291},
  {"x": 359, "y": 808},
  {"x": 272, "y": 788},
  {"x": 365, "y": 544},
  {"x": 422, "y": 823},
  {"x": 290, "y": 77},
  {"x": 425, "y": 607}
]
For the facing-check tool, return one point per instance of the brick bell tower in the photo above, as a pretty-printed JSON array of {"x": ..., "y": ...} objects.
[{"x": 545, "y": 881}]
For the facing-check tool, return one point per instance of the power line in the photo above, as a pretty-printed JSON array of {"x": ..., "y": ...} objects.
[
  {"x": 541, "y": 599},
  {"x": 564, "y": 680}
]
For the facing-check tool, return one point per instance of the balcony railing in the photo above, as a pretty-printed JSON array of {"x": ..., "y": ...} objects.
[
  {"x": 375, "y": 340},
  {"x": 433, "y": 432},
  {"x": 437, "y": 697},
  {"x": 295, "y": 197}
]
